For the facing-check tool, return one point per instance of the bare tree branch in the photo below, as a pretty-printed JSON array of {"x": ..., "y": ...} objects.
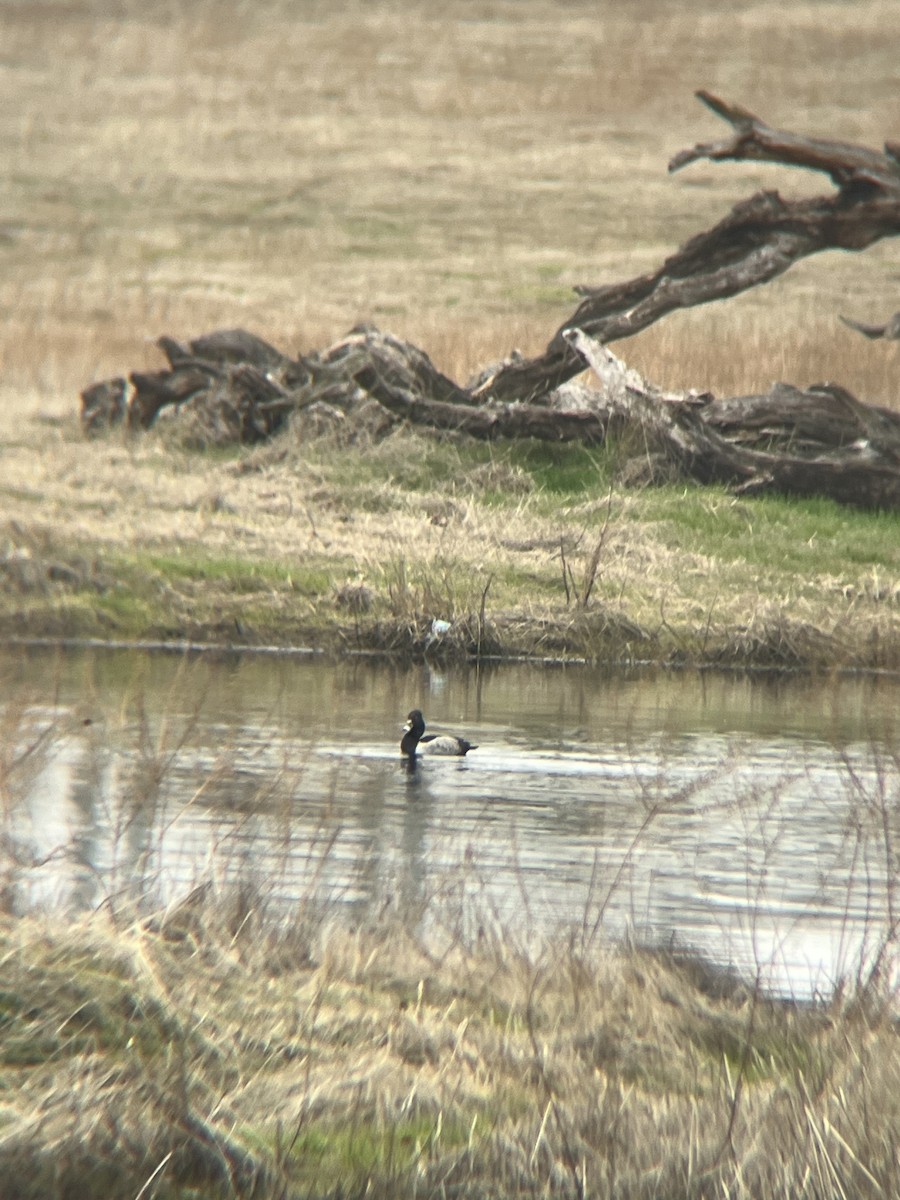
[
  {"x": 890, "y": 329},
  {"x": 759, "y": 240},
  {"x": 818, "y": 441}
]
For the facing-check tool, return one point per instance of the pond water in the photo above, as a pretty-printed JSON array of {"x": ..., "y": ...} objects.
[{"x": 753, "y": 819}]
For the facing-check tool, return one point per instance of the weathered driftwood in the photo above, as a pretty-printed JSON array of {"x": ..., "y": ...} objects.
[
  {"x": 759, "y": 240},
  {"x": 486, "y": 421},
  {"x": 237, "y": 387},
  {"x": 242, "y": 377},
  {"x": 104, "y": 405},
  {"x": 816, "y": 442}
]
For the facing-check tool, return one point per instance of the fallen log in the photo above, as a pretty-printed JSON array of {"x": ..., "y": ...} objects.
[
  {"x": 816, "y": 442},
  {"x": 104, "y": 405},
  {"x": 822, "y": 418},
  {"x": 486, "y": 421},
  {"x": 819, "y": 441}
]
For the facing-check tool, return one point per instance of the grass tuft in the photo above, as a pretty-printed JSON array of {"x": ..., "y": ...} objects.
[{"x": 210, "y": 1050}]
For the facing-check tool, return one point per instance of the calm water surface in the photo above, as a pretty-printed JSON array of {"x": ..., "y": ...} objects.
[{"x": 753, "y": 819}]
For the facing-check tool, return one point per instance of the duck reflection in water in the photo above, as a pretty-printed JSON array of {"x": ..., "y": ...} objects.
[{"x": 416, "y": 741}]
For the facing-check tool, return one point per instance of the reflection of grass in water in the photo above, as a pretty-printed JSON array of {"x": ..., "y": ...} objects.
[{"x": 227, "y": 1043}]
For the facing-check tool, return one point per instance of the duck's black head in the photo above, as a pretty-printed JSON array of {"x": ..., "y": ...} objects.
[{"x": 414, "y": 728}]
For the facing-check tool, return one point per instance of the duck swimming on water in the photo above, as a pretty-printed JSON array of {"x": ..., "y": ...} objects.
[{"x": 415, "y": 739}]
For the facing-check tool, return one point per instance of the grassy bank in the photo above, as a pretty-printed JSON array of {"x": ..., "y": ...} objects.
[
  {"x": 526, "y": 549},
  {"x": 449, "y": 172},
  {"x": 455, "y": 197},
  {"x": 210, "y": 1052}
]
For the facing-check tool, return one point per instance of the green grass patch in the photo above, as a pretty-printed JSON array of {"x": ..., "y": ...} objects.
[
  {"x": 185, "y": 593},
  {"x": 354, "y": 1150},
  {"x": 240, "y": 575},
  {"x": 414, "y": 465},
  {"x": 771, "y": 1052},
  {"x": 126, "y": 609},
  {"x": 803, "y": 537},
  {"x": 566, "y": 469},
  {"x": 426, "y": 465}
]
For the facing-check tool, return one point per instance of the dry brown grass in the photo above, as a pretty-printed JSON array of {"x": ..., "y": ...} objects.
[
  {"x": 447, "y": 171},
  {"x": 208, "y": 1050},
  {"x": 165, "y": 544}
]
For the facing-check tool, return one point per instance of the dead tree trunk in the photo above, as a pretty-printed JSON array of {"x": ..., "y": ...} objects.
[
  {"x": 759, "y": 240},
  {"x": 818, "y": 441},
  {"x": 815, "y": 442}
]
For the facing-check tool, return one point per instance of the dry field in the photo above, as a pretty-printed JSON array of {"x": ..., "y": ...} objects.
[{"x": 449, "y": 172}]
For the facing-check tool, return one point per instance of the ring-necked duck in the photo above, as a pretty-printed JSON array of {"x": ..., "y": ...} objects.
[{"x": 416, "y": 739}]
